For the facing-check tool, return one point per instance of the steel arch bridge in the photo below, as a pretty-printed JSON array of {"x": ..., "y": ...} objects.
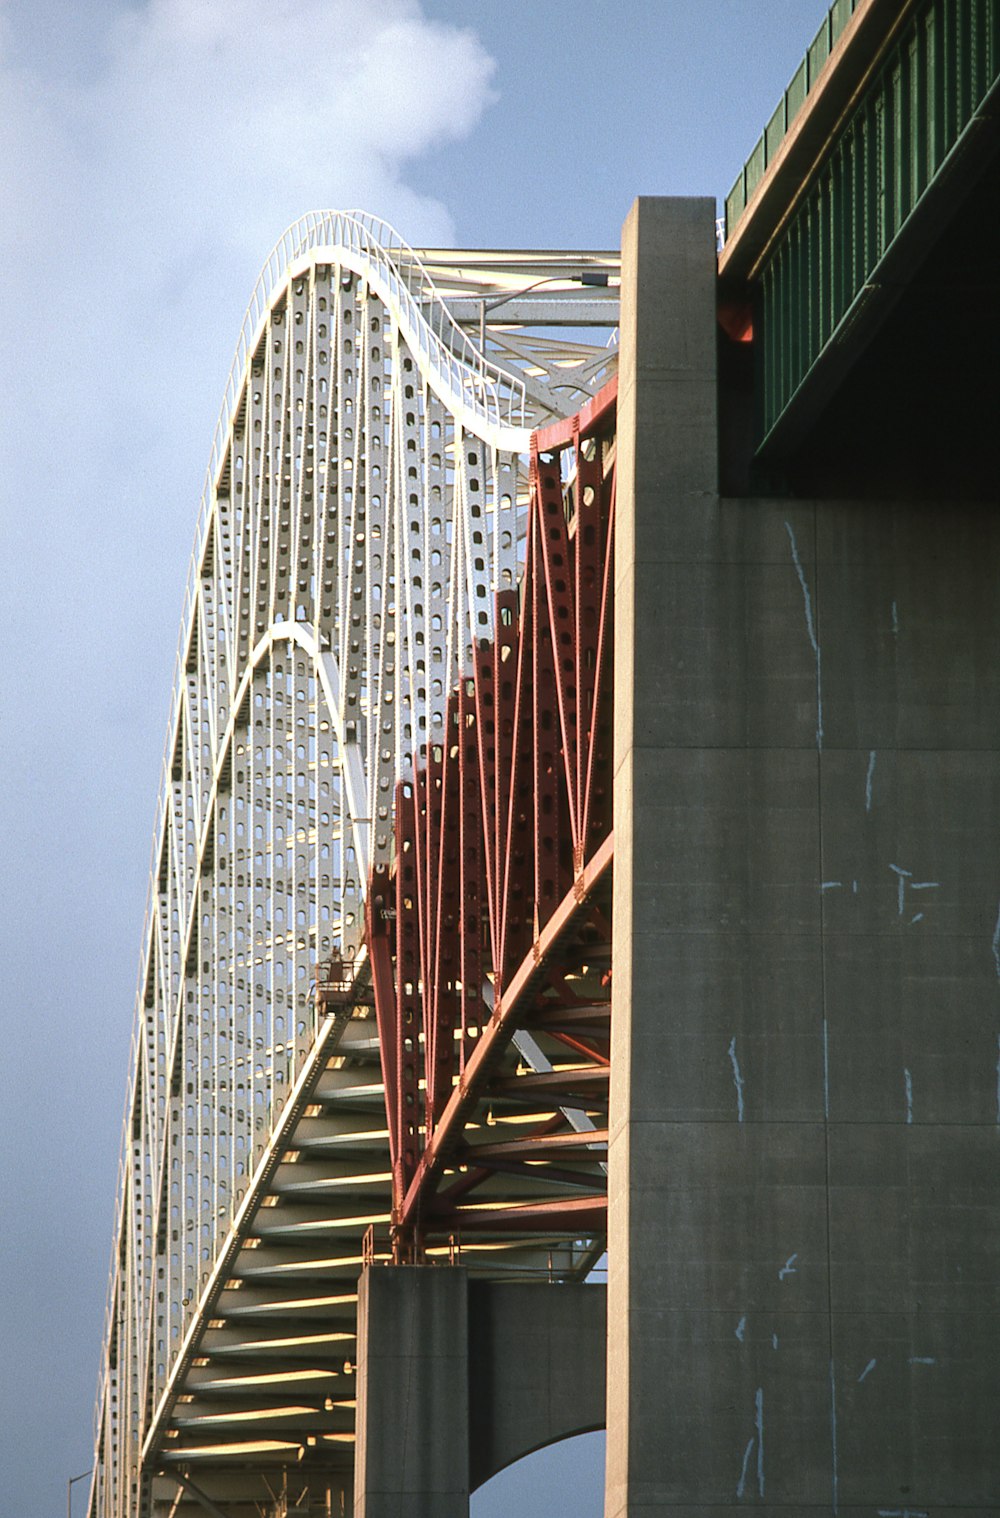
[{"x": 373, "y": 1008}]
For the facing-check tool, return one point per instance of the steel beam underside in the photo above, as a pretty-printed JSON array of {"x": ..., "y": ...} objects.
[{"x": 879, "y": 169}]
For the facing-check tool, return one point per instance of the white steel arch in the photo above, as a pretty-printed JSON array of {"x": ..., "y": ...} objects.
[{"x": 361, "y": 508}]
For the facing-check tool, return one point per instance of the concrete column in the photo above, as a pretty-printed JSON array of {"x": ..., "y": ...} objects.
[
  {"x": 804, "y": 1224},
  {"x": 412, "y": 1454},
  {"x": 667, "y": 626}
]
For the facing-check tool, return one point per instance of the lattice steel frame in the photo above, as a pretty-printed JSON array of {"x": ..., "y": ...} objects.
[
  {"x": 503, "y": 837},
  {"x": 364, "y": 505}
]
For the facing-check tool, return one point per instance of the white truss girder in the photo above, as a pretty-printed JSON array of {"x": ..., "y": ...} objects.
[{"x": 362, "y": 506}]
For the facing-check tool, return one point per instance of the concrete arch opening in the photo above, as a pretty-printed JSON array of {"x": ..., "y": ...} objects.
[
  {"x": 572, "y": 1466},
  {"x": 464, "y": 1378}
]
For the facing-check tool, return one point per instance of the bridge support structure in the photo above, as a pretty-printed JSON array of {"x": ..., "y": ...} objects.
[
  {"x": 683, "y": 933},
  {"x": 458, "y": 1378},
  {"x": 803, "y": 1192}
]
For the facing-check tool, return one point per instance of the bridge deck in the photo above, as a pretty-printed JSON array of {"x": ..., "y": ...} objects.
[{"x": 834, "y": 213}]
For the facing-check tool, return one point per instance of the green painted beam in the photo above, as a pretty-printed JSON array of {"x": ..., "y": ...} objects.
[
  {"x": 935, "y": 88},
  {"x": 794, "y": 98}
]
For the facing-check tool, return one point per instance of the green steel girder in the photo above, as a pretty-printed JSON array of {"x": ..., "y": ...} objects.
[
  {"x": 933, "y": 93},
  {"x": 788, "y": 108}
]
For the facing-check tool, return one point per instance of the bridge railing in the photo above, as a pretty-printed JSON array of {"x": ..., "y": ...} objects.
[{"x": 787, "y": 109}]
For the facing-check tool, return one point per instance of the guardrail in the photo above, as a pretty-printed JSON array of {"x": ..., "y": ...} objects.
[{"x": 788, "y": 107}]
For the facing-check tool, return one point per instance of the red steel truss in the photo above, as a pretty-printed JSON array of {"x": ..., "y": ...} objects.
[{"x": 491, "y": 935}]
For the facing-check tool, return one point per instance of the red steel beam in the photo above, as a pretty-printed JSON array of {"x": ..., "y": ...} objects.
[
  {"x": 501, "y": 1028},
  {"x": 506, "y": 825}
]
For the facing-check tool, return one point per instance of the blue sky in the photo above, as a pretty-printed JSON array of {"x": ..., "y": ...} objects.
[{"x": 151, "y": 154}]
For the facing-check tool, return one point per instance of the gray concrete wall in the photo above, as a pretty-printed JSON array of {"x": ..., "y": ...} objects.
[
  {"x": 804, "y": 1161},
  {"x": 536, "y": 1369},
  {"x": 411, "y": 1456},
  {"x": 457, "y": 1379}
]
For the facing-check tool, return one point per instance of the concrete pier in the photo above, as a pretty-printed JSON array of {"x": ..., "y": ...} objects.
[
  {"x": 459, "y": 1378},
  {"x": 412, "y": 1453},
  {"x": 804, "y": 1294}
]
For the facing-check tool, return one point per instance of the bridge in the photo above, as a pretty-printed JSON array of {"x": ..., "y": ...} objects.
[{"x": 577, "y": 838}]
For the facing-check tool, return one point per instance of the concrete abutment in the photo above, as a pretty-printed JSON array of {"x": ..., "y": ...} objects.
[{"x": 804, "y": 1232}]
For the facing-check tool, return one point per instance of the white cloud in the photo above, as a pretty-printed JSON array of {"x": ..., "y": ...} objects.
[
  {"x": 142, "y": 189},
  {"x": 199, "y": 109},
  {"x": 235, "y": 112}
]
